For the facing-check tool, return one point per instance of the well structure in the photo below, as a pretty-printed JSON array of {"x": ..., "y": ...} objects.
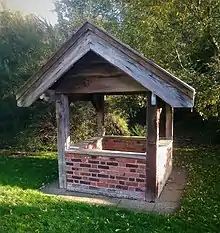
[{"x": 89, "y": 66}]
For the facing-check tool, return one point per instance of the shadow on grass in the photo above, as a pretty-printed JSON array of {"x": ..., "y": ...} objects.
[{"x": 27, "y": 172}]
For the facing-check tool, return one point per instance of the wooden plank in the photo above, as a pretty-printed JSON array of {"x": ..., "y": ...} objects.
[
  {"x": 153, "y": 117},
  {"x": 169, "y": 88},
  {"x": 149, "y": 80},
  {"x": 147, "y": 63},
  {"x": 99, "y": 103},
  {"x": 169, "y": 122},
  {"x": 63, "y": 64},
  {"x": 54, "y": 59},
  {"x": 63, "y": 136},
  {"x": 99, "y": 84}
]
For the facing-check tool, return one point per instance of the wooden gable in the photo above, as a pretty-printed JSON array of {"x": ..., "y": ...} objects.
[{"x": 118, "y": 68}]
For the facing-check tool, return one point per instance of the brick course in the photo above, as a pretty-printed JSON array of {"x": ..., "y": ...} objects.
[{"x": 123, "y": 174}]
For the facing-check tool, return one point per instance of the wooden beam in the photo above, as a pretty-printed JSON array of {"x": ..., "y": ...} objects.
[
  {"x": 169, "y": 122},
  {"x": 63, "y": 136},
  {"x": 99, "y": 102},
  {"x": 153, "y": 117},
  {"x": 105, "y": 83}
]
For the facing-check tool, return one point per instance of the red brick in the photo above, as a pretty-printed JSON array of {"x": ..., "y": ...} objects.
[
  {"x": 133, "y": 170},
  {"x": 112, "y": 163},
  {"x": 84, "y": 173},
  {"x": 142, "y": 176},
  {"x": 141, "y": 171},
  {"x": 102, "y": 162},
  {"x": 103, "y": 176},
  {"x": 122, "y": 187},
  {"x": 126, "y": 160},
  {"x": 77, "y": 156},
  {"x": 69, "y": 164},
  {"x": 85, "y": 165},
  {"x": 131, "y": 179},
  {"x": 111, "y": 186},
  {"x": 76, "y": 160},
  {"x": 131, "y": 165},
  {"x": 94, "y": 166},
  {"x": 70, "y": 180},
  {"x": 69, "y": 172},
  {"x": 142, "y": 166},
  {"x": 141, "y": 161},
  {"x": 140, "y": 180},
  {"x": 76, "y": 173},
  {"x": 121, "y": 182},
  {"x": 77, "y": 177},
  {"x": 112, "y": 181},
  {"x": 94, "y": 170},
  {"x": 94, "y": 161},
  {"x": 76, "y": 169},
  {"x": 121, "y": 177},
  {"x": 99, "y": 184},
  {"x": 76, "y": 181},
  {"x": 93, "y": 157},
  {"x": 94, "y": 179},
  {"x": 94, "y": 175},
  {"x": 134, "y": 184},
  {"x": 103, "y": 167},
  {"x": 84, "y": 182}
]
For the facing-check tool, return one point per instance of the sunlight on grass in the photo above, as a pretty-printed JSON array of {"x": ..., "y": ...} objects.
[{"x": 24, "y": 209}]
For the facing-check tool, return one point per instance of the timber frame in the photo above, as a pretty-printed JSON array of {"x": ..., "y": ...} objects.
[{"x": 92, "y": 64}]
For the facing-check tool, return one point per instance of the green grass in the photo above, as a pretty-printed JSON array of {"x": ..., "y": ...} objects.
[{"x": 24, "y": 209}]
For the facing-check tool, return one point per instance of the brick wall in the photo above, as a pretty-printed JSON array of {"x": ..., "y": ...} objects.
[
  {"x": 113, "y": 176},
  {"x": 129, "y": 144}
]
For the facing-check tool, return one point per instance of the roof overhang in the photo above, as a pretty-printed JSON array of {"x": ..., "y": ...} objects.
[{"x": 91, "y": 38}]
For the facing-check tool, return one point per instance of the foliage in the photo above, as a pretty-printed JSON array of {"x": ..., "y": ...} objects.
[
  {"x": 139, "y": 130},
  {"x": 24, "y": 209},
  {"x": 183, "y": 37},
  {"x": 116, "y": 124},
  {"x": 25, "y": 44}
]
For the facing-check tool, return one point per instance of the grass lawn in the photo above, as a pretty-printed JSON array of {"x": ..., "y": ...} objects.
[{"x": 24, "y": 209}]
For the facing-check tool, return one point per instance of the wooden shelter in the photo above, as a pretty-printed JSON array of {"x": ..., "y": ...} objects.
[{"x": 90, "y": 65}]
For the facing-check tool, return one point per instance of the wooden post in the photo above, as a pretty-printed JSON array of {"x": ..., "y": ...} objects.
[
  {"x": 100, "y": 123},
  {"x": 169, "y": 122},
  {"x": 153, "y": 117},
  {"x": 98, "y": 102},
  {"x": 63, "y": 136}
]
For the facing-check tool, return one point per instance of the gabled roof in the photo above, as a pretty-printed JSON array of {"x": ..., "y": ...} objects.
[{"x": 91, "y": 38}]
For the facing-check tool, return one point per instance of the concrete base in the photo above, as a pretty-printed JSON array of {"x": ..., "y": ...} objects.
[{"x": 168, "y": 201}]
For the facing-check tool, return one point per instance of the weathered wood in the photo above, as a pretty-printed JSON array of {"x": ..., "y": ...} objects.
[
  {"x": 150, "y": 65},
  {"x": 57, "y": 69},
  {"x": 99, "y": 103},
  {"x": 96, "y": 84},
  {"x": 146, "y": 78},
  {"x": 169, "y": 122},
  {"x": 63, "y": 136},
  {"x": 54, "y": 59},
  {"x": 149, "y": 75},
  {"x": 153, "y": 118}
]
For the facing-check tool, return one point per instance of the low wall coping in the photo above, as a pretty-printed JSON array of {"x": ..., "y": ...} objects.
[
  {"x": 109, "y": 153},
  {"x": 125, "y": 137}
]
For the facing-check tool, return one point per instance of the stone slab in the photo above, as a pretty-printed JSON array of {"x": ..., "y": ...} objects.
[{"x": 168, "y": 201}]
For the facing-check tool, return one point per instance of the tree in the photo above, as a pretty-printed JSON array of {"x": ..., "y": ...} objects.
[{"x": 183, "y": 37}]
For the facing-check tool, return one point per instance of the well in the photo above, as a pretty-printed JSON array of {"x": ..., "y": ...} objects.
[
  {"x": 89, "y": 66},
  {"x": 115, "y": 166}
]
